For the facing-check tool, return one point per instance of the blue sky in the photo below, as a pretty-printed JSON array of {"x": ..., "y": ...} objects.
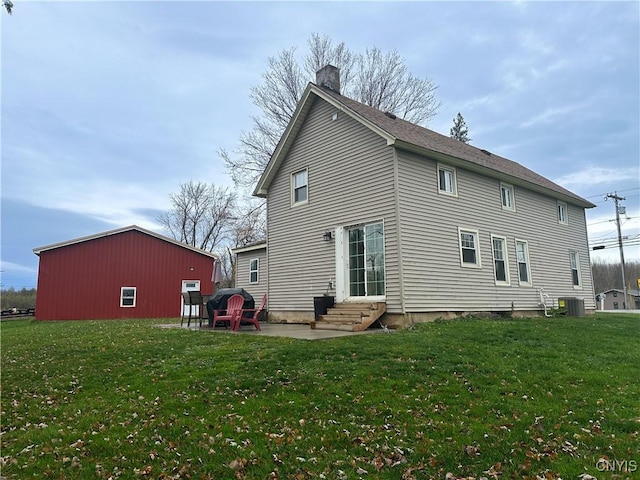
[{"x": 107, "y": 107}]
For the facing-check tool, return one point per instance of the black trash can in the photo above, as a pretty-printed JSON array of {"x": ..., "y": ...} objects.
[{"x": 322, "y": 304}]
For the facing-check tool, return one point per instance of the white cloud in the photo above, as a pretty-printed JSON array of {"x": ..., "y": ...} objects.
[
  {"x": 551, "y": 115},
  {"x": 10, "y": 267},
  {"x": 597, "y": 176}
]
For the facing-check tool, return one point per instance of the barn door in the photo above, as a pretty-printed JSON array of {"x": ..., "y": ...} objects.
[{"x": 190, "y": 286}]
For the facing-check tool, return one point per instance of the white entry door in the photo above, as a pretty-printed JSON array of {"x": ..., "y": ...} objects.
[
  {"x": 360, "y": 263},
  {"x": 190, "y": 286}
]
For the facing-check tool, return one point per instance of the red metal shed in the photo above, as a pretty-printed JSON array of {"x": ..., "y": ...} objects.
[{"x": 129, "y": 272}]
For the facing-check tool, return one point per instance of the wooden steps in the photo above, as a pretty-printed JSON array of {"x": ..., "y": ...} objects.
[{"x": 351, "y": 317}]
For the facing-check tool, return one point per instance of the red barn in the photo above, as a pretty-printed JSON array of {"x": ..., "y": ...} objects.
[{"x": 129, "y": 272}]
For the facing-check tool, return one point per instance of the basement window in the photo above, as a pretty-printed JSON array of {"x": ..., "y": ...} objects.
[{"x": 128, "y": 297}]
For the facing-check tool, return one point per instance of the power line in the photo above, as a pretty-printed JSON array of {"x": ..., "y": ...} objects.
[
  {"x": 614, "y": 242},
  {"x": 601, "y": 245},
  {"x": 598, "y": 223},
  {"x": 606, "y": 193}
]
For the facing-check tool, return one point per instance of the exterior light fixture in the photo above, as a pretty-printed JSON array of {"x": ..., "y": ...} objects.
[{"x": 327, "y": 236}]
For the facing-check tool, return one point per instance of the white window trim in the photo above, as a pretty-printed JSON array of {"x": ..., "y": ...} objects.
[
  {"x": 454, "y": 180},
  {"x": 257, "y": 270},
  {"x": 135, "y": 296},
  {"x": 526, "y": 252},
  {"x": 506, "y": 282},
  {"x": 293, "y": 188},
  {"x": 476, "y": 236},
  {"x": 506, "y": 186},
  {"x": 563, "y": 206},
  {"x": 579, "y": 270}
]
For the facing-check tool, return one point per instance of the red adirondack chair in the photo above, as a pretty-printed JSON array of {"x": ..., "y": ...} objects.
[
  {"x": 255, "y": 312},
  {"x": 234, "y": 309}
]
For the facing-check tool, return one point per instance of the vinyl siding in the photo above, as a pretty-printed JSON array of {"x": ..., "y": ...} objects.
[
  {"x": 257, "y": 290},
  {"x": 350, "y": 181},
  {"x": 434, "y": 280}
]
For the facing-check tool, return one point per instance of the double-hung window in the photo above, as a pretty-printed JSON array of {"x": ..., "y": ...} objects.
[
  {"x": 447, "y": 180},
  {"x": 469, "y": 250},
  {"x": 254, "y": 265},
  {"x": 300, "y": 187},
  {"x": 507, "y": 197},
  {"x": 128, "y": 296},
  {"x": 522, "y": 257},
  {"x": 500, "y": 261},
  {"x": 562, "y": 213},
  {"x": 574, "y": 259}
]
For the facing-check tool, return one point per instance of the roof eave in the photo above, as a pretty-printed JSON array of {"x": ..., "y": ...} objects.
[
  {"x": 283, "y": 145},
  {"x": 294, "y": 126},
  {"x": 490, "y": 172},
  {"x": 250, "y": 248},
  {"x": 53, "y": 246}
]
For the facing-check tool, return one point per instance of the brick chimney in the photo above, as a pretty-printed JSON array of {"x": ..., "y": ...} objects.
[{"x": 329, "y": 77}]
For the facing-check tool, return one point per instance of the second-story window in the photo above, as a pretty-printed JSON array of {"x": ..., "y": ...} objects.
[
  {"x": 299, "y": 187},
  {"x": 562, "y": 213},
  {"x": 507, "y": 197},
  {"x": 447, "y": 180}
]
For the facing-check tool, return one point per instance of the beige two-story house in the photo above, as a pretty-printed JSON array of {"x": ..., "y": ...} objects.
[{"x": 385, "y": 212}]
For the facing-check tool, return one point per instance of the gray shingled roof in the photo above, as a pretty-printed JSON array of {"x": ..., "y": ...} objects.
[
  {"x": 408, "y": 136},
  {"x": 424, "y": 138}
]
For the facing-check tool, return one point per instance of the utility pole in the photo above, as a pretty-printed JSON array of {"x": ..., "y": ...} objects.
[{"x": 616, "y": 199}]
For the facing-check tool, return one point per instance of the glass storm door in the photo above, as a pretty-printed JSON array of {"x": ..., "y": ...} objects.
[{"x": 366, "y": 260}]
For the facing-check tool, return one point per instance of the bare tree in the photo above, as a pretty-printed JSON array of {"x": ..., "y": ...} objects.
[
  {"x": 459, "y": 131},
  {"x": 378, "y": 79},
  {"x": 201, "y": 215},
  {"x": 249, "y": 228},
  {"x": 8, "y": 5},
  {"x": 606, "y": 275}
]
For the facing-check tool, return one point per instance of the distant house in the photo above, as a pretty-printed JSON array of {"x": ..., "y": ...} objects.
[
  {"x": 129, "y": 272},
  {"x": 399, "y": 218},
  {"x": 614, "y": 299}
]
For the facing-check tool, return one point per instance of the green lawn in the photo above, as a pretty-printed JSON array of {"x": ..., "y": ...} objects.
[{"x": 528, "y": 398}]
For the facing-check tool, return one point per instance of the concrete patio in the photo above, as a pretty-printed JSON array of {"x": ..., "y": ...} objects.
[{"x": 291, "y": 330}]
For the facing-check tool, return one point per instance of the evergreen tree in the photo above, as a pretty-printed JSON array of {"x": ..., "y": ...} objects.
[{"x": 459, "y": 131}]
